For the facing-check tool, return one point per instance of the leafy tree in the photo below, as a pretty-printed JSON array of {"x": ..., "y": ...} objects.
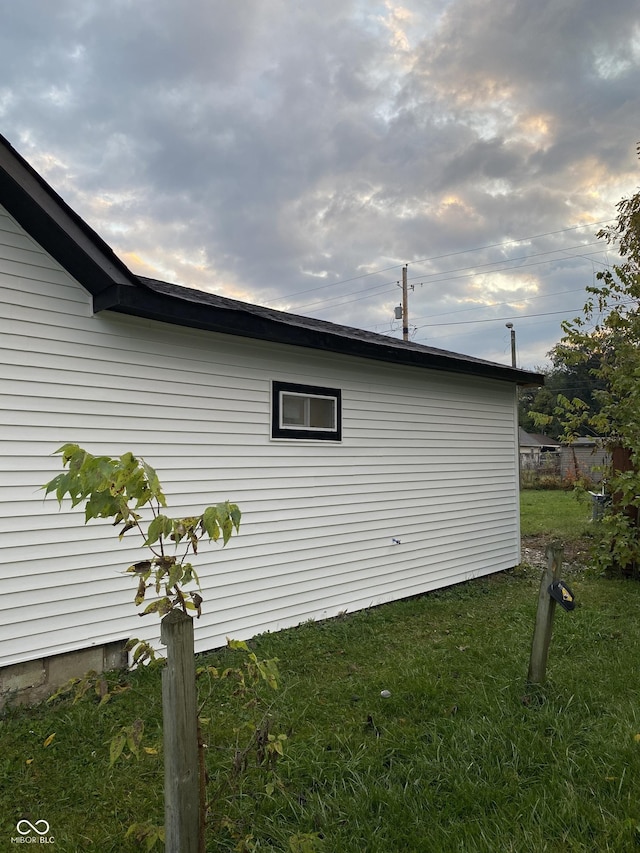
[
  {"x": 568, "y": 377},
  {"x": 608, "y": 334}
]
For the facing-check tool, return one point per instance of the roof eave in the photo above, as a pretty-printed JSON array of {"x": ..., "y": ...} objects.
[{"x": 151, "y": 305}]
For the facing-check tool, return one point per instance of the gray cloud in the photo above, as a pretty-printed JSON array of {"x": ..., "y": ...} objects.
[{"x": 271, "y": 150}]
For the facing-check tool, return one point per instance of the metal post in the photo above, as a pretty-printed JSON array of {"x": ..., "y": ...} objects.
[
  {"x": 513, "y": 344},
  {"x": 405, "y": 305}
]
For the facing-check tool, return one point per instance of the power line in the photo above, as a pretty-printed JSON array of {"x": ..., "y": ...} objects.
[
  {"x": 509, "y": 242},
  {"x": 373, "y": 292},
  {"x": 498, "y": 319},
  {"x": 474, "y": 267},
  {"x": 514, "y": 317},
  {"x": 499, "y": 304},
  {"x": 389, "y": 285},
  {"x": 446, "y": 255}
]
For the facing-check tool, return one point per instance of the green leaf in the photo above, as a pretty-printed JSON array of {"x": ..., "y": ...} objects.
[
  {"x": 210, "y": 523},
  {"x": 236, "y": 516},
  {"x": 146, "y": 833},
  {"x": 68, "y": 451},
  {"x": 57, "y": 485},
  {"x": 160, "y": 526},
  {"x": 228, "y": 516},
  {"x": 305, "y": 842},
  {"x": 116, "y": 746},
  {"x": 268, "y": 671},
  {"x": 227, "y": 529},
  {"x": 134, "y": 734},
  {"x": 102, "y": 504},
  {"x": 62, "y": 691},
  {"x": 178, "y": 531},
  {"x": 142, "y": 651},
  {"x": 162, "y": 606},
  {"x": 153, "y": 482},
  {"x": 209, "y": 670},
  {"x": 175, "y": 575}
]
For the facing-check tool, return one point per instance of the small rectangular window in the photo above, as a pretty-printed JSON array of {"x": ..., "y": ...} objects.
[{"x": 306, "y": 411}]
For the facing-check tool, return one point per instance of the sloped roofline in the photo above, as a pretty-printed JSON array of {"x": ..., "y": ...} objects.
[
  {"x": 89, "y": 259},
  {"x": 534, "y": 439}
]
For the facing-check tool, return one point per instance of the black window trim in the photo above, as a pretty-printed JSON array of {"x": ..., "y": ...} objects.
[{"x": 278, "y": 431}]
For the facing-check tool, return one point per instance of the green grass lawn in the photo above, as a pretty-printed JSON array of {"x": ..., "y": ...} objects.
[
  {"x": 560, "y": 514},
  {"x": 461, "y": 756}
]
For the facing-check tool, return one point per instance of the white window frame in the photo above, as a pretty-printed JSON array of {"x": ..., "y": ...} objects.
[{"x": 281, "y": 430}]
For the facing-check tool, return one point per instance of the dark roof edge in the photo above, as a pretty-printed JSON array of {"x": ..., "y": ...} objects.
[
  {"x": 245, "y": 320},
  {"x": 56, "y": 226},
  {"x": 86, "y": 256}
]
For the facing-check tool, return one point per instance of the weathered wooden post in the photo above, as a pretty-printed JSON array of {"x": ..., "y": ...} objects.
[
  {"x": 544, "y": 616},
  {"x": 180, "y": 716}
]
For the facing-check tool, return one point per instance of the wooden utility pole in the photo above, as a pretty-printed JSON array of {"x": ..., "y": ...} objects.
[{"x": 405, "y": 305}]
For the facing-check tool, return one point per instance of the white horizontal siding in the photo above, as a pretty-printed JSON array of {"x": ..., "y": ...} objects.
[{"x": 426, "y": 457}]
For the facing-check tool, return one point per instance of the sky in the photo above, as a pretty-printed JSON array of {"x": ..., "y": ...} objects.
[{"x": 298, "y": 154}]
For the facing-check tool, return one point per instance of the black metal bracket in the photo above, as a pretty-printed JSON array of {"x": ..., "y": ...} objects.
[{"x": 561, "y": 593}]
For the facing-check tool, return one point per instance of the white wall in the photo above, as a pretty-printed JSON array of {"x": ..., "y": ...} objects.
[{"x": 426, "y": 457}]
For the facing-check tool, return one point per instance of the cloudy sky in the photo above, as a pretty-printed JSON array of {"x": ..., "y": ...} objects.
[{"x": 297, "y": 154}]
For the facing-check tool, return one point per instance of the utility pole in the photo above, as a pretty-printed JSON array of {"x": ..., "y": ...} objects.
[
  {"x": 513, "y": 344},
  {"x": 405, "y": 305},
  {"x": 402, "y": 311}
]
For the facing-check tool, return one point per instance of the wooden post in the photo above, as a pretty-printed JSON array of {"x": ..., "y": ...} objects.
[
  {"x": 180, "y": 724},
  {"x": 544, "y": 617}
]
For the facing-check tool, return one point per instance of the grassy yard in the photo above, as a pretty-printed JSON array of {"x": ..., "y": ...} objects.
[
  {"x": 559, "y": 514},
  {"x": 461, "y": 756}
]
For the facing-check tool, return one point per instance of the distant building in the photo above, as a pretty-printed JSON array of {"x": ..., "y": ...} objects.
[
  {"x": 584, "y": 457},
  {"x": 538, "y": 451}
]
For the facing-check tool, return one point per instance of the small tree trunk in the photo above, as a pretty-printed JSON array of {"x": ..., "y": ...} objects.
[
  {"x": 180, "y": 722},
  {"x": 544, "y": 617},
  {"x": 202, "y": 776}
]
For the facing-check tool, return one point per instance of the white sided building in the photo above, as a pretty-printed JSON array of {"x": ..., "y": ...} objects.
[{"x": 367, "y": 469}]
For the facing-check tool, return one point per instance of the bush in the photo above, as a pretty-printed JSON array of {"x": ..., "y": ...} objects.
[{"x": 532, "y": 479}]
